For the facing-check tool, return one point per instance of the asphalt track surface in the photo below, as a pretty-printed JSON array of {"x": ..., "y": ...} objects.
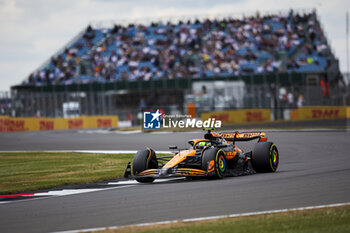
[{"x": 314, "y": 169}]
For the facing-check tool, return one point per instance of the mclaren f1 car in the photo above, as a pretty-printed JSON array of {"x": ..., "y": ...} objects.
[{"x": 214, "y": 156}]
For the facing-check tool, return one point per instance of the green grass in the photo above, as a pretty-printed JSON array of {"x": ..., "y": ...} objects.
[
  {"x": 325, "y": 220},
  {"x": 28, "y": 171}
]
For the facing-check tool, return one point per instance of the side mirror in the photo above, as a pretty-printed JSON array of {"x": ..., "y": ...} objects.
[{"x": 173, "y": 147}]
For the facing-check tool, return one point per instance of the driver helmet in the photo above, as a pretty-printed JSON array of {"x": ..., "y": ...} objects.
[{"x": 203, "y": 144}]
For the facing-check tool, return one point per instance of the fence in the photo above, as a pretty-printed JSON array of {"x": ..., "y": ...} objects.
[
  {"x": 128, "y": 99},
  {"x": 5, "y": 104}
]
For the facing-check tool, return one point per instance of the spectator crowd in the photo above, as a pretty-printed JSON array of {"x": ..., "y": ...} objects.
[{"x": 200, "y": 48}]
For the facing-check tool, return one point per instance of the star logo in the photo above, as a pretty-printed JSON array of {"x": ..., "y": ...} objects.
[
  {"x": 151, "y": 120},
  {"x": 156, "y": 115}
]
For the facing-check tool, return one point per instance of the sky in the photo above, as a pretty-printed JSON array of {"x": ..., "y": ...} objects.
[{"x": 31, "y": 31}]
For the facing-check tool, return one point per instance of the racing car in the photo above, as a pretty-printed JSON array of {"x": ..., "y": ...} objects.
[{"x": 214, "y": 156}]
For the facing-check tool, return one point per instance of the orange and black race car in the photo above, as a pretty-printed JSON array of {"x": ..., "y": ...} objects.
[{"x": 214, "y": 156}]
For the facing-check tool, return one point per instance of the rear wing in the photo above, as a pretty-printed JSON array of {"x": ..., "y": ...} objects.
[{"x": 244, "y": 136}]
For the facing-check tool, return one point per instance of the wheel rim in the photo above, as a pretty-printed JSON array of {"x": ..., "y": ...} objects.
[
  {"x": 222, "y": 164},
  {"x": 274, "y": 158}
]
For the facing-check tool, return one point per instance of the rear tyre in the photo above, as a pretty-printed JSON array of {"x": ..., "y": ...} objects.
[
  {"x": 143, "y": 160},
  {"x": 265, "y": 157},
  {"x": 214, "y": 162}
]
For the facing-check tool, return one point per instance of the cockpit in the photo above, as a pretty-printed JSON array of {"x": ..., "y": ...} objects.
[{"x": 202, "y": 144}]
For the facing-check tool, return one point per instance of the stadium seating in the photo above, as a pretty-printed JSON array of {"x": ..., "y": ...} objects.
[{"x": 202, "y": 48}]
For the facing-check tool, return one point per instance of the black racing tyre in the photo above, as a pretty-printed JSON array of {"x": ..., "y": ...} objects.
[
  {"x": 214, "y": 162},
  {"x": 265, "y": 157},
  {"x": 143, "y": 160}
]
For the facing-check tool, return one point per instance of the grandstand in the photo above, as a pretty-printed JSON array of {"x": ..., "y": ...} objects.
[
  {"x": 117, "y": 68},
  {"x": 202, "y": 48}
]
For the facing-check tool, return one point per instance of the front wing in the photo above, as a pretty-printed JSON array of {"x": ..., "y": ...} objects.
[
  {"x": 172, "y": 172},
  {"x": 164, "y": 173}
]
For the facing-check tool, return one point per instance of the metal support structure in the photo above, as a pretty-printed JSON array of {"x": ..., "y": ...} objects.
[{"x": 261, "y": 91}]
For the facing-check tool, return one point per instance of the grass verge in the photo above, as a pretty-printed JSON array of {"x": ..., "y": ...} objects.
[
  {"x": 325, "y": 220},
  {"x": 27, "y": 171}
]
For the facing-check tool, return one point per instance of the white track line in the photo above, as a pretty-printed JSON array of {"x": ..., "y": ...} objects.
[
  {"x": 65, "y": 192},
  {"x": 128, "y": 182},
  {"x": 113, "y": 151},
  {"x": 91, "y": 151},
  {"x": 160, "y": 132},
  {"x": 127, "y": 132},
  {"x": 105, "y": 131},
  {"x": 209, "y": 218},
  {"x": 264, "y": 212}
]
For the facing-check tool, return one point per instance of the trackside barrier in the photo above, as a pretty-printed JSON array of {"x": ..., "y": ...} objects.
[
  {"x": 320, "y": 113},
  {"x": 264, "y": 115},
  {"x": 12, "y": 124},
  {"x": 240, "y": 116}
]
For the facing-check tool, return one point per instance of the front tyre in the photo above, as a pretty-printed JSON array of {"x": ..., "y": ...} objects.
[
  {"x": 143, "y": 160},
  {"x": 214, "y": 162},
  {"x": 265, "y": 157}
]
